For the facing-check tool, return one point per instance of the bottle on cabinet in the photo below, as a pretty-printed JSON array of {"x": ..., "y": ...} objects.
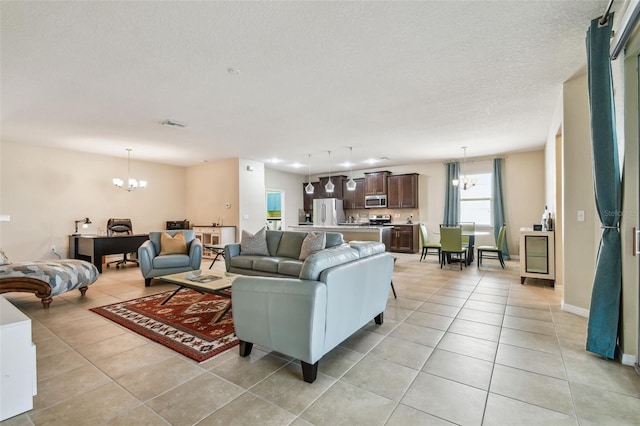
[{"x": 547, "y": 221}]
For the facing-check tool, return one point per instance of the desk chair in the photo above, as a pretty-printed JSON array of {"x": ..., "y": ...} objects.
[
  {"x": 117, "y": 227},
  {"x": 496, "y": 250},
  {"x": 426, "y": 244},
  {"x": 451, "y": 242}
]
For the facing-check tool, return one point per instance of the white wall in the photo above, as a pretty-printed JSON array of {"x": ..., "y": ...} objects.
[
  {"x": 45, "y": 190},
  {"x": 291, "y": 184},
  {"x": 251, "y": 190}
]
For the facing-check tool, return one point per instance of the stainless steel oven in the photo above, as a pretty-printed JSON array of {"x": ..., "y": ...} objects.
[{"x": 375, "y": 201}]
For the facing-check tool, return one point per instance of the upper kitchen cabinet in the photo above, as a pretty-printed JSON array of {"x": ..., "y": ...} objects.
[
  {"x": 353, "y": 199},
  {"x": 308, "y": 198},
  {"x": 403, "y": 191},
  {"x": 337, "y": 191},
  {"x": 376, "y": 183}
]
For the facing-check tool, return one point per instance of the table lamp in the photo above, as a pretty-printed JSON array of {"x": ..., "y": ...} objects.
[{"x": 84, "y": 222}]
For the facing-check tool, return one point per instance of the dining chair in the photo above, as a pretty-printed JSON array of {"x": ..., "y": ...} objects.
[
  {"x": 497, "y": 249},
  {"x": 468, "y": 228},
  {"x": 426, "y": 244},
  {"x": 451, "y": 242}
]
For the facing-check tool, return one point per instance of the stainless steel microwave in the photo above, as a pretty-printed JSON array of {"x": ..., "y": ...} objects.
[{"x": 375, "y": 201}]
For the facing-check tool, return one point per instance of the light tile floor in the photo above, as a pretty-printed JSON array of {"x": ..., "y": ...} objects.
[{"x": 464, "y": 347}]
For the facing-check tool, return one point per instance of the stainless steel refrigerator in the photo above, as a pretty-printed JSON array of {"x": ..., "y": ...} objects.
[{"x": 327, "y": 212}]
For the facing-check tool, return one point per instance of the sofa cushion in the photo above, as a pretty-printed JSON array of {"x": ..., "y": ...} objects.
[
  {"x": 254, "y": 244},
  {"x": 334, "y": 239},
  {"x": 290, "y": 244},
  {"x": 273, "y": 240},
  {"x": 170, "y": 261},
  {"x": 367, "y": 248},
  {"x": 266, "y": 264},
  {"x": 290, "y": 267},
  {"x": 313, "y": 242},
  {"x": 323, "y": 259},
  {"x": 243, "y": 262},
  {"x": 175, "y": 244}
]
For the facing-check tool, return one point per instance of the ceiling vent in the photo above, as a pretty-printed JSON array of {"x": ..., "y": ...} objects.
[{"x": 173, "y": 123}]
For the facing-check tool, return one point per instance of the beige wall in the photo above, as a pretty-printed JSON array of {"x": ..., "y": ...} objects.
[
  {"x": 210, "y": 188},
  {"x": 45, "y": 190},
  {"x": 581, "y": 239}
]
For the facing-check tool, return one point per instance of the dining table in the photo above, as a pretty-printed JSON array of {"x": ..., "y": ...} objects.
[{"x": 472, "y": 240}]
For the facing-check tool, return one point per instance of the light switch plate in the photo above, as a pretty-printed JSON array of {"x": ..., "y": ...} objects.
[
  {"x": 580, "y": 215},
  {"x": 5, "y": 218}
]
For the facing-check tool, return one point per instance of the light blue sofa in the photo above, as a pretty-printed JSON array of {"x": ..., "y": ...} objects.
[
  {"x": 152, "y": 265},
  {"x": 338, "y": 291}
]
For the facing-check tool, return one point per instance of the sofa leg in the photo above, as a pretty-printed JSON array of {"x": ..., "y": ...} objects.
[
  {"x": 147, "y": 282},
  {"x": 83, "y": 290},
  {"x": 309, "y": 371},
  {"x": 379, "y": 319},
  {"x": 245, "y": 348}
]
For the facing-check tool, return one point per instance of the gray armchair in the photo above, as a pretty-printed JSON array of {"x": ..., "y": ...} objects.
[{"x": 153, "y": 265}]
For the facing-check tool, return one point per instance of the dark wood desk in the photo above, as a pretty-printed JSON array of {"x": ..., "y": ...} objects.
[{"x": 92, "y": 247}]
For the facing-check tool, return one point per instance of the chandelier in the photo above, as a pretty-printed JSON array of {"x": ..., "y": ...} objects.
[
  {"x": 466, "y": 182},
  {"x": 351, "y": 184},
  {"x": 309, "y": 188},
  {"x": 329, "y": 187},
  {"x": 132, "y": 184}
]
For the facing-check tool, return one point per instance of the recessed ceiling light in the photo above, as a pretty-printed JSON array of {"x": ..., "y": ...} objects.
[
  {"x": 297, "y": 165},
  {"x": 173, "y": 123},
  {"x": 233, "y": 71}
]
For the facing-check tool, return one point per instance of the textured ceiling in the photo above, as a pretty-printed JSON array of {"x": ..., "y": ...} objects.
[{"x": 410, "y": 81}]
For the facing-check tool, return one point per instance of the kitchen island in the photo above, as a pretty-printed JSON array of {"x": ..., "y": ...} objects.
[{"x": 354, "y": 232}]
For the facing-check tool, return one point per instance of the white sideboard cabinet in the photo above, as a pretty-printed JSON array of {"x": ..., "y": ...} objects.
[
  {"x": 537, "y": 255},
  {"x": 18, "y": 381}
]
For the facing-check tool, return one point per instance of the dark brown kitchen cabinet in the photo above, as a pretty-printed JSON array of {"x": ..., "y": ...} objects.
[
  {"x": 308, "y": 198},
  {"x": 404, "y": 238},
  {"x": 337, "y": 191},
  {"x": 376, "y": 183},
  {"x": 402, "y": 191},
  {"x": 353, "y": 199}
]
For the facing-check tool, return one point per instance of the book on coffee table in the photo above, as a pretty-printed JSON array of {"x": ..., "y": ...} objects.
[{"x": 203, "y": 278}]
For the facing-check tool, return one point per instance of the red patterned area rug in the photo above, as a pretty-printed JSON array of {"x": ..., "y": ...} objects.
[{"x": 199, "y": 326}]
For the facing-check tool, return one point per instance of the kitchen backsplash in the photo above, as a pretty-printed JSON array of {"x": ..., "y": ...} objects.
[{"x": 397, "y": 215}]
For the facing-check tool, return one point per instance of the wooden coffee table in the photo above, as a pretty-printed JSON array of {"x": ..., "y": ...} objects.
[{"x": 217, "y": 284}]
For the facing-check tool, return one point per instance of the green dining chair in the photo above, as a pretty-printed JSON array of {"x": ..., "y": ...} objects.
[
  {"x": 496, "y": 250},
  {"x": 466, "y": 227},
  {"x": 426, "y": 244},
  {"x": 451, "y": 242}
]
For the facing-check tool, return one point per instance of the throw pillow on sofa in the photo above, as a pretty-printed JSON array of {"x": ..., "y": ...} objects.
[
  {"x": 172, "y": 245},
  {"x": 313, "y": 242},
  {"x": 254, "y": 244}
]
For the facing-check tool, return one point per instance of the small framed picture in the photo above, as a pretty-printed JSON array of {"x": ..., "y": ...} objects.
[{"x": 537, "y": 227}]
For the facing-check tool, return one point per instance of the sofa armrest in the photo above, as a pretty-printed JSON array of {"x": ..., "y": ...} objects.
[
  {"x": 285, "y": 314},
  {"x": 146, "y": 253},
  {"x": 230, "y": 250},
  {"x": 195, "y": 253}
]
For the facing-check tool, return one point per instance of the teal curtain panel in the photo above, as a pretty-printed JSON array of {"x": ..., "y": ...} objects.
[
  {"x": 452, "y": 196},
  {"x": 498, "y": 205},
  {"x": 604, "y": 314}
]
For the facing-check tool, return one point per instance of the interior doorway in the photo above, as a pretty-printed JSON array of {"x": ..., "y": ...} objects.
[{"x": 275, "y": 209}]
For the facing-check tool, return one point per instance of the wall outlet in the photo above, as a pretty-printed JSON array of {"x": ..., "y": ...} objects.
[
  {"x": 580, "y": 215},
  {"x": 396, "y": 215}
]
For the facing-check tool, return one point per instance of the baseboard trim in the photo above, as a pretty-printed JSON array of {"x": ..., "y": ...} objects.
[
  {"x": 628, "y": 359},
  {"x": 575, "y": 310}
]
